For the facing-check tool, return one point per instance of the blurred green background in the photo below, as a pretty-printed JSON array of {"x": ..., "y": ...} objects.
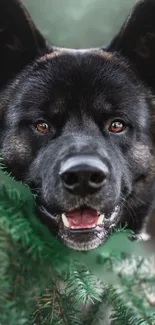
[{"x": 79, "y": 23}]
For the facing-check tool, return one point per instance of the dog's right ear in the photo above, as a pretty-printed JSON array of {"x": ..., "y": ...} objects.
[
  {"x": 136, "y": 40},
  {"x": 20, "y": 41}
]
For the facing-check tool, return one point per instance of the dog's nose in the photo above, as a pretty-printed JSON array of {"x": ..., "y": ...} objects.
[{"x": 83, "y": 175}]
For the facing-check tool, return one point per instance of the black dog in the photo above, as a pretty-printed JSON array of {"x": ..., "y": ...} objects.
[{"x": 77, "y": 125}]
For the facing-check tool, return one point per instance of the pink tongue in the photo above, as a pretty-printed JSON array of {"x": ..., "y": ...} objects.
[{"x": 82, "y": 218}]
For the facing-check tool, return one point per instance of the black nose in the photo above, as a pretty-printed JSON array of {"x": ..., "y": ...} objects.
[{"x": 83, "y": 175}]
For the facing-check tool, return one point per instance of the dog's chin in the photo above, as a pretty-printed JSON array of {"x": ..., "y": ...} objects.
[
  {"x": 84, "y": 240},
  {"x": 81, "y": 229}
]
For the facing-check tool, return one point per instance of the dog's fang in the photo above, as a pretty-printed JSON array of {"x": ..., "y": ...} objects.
[
  {"x": 100, "y": 219},
  {"x": 65, "y": 221}
]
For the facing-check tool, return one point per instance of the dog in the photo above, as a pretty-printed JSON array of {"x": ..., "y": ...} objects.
[{"x": 77, "y": 125}]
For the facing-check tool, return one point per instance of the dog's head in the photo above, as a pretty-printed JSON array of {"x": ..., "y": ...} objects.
[{"x": 76, "y": 125}]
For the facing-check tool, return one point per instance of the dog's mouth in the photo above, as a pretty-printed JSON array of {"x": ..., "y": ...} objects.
[
  {"x": 83, "y": 228},
  {"x": 84, "y": 219}
]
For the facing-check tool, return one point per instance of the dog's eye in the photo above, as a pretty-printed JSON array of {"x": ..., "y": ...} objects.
[
  {"x": 117, "y": 126},
  {"x": 42, "y": 127}
]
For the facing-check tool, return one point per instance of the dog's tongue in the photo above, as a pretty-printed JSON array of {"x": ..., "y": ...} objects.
[{"x": 79, "y": 219}]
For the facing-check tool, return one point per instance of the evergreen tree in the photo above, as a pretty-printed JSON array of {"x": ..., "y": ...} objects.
[{"x": 42, "y": 282}]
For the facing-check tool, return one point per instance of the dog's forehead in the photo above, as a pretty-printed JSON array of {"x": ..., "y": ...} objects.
[
  {"x": 86, "y": 73},
  {"x": 93, "y": 69},
  {"x": 81, "y": 69},
  {"x": 77, "y": 81}
]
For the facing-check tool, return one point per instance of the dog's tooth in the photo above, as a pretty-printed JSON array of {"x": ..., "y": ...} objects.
[
  {"x": 100, "y": 219},
  {"x": 65, "y": 221}
]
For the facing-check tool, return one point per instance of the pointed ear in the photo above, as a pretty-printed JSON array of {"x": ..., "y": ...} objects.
[
  {"x": 136, "y": 40},
  {"x": 20, "y": 41}
]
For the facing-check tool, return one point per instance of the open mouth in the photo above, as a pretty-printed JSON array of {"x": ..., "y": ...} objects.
[
  {"x": 84, "y": 219},
  {"x": 84, "y": 228}
]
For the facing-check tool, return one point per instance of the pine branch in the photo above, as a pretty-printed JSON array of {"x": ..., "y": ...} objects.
[
  {"x": 39, "y": 242},
  {"x": 83, "y": 287},
  {"x": 98, "y": 313},
  {"x": 31, "y": 259},
  {"x": 55, "y": 307},
  {"x": 125, "y": 312}
]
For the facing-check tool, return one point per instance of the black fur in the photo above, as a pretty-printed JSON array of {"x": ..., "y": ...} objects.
[{"x": 79, "y": 93}]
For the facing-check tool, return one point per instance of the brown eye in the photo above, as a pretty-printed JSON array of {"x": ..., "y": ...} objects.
[
  {"x": 117, "y": 126},
  {"x": 42, "y": 127}
]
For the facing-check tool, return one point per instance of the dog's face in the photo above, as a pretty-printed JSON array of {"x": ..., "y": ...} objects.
[{"x": 76, "y": 126}]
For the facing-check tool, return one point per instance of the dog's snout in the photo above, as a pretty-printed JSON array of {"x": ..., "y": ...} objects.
[{"x": 83, "y": 175}]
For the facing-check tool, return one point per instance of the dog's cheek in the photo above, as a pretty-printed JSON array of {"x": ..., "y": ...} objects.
[
  {"x": 142, "y": 157},
  {"x": 143, "y": 161},
  {"x": 17, "y": 150}
]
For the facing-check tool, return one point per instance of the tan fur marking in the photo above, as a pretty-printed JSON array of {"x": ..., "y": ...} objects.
[{"x": 16, "y": 148}]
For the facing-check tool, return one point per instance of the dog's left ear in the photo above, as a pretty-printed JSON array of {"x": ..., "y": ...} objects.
[
  {"x": 20, "y": 40},
  {"x": 136, "y": 40}
]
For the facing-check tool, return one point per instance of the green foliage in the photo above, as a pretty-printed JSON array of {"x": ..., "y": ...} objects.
[
  {"x": 55, "y": 307},
  {"x": 42, "y": 282}
]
